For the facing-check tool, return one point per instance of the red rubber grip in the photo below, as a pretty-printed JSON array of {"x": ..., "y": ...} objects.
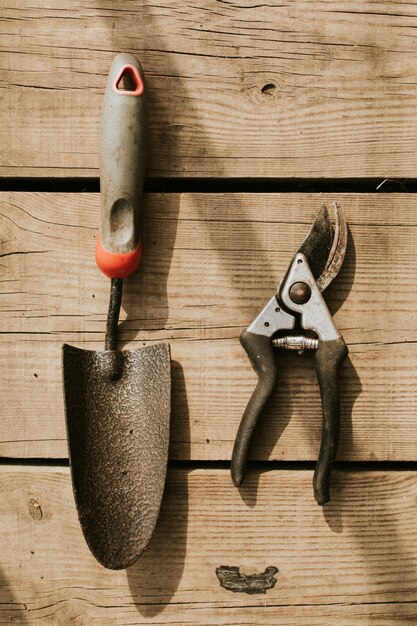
[{"x": 117, "y": 264}]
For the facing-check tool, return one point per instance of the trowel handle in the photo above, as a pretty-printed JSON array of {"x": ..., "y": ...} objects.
[{"x": 123, "y": 150}]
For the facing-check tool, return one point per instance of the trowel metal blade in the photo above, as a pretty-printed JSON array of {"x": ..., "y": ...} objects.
[{"x": 118, "y": 436}]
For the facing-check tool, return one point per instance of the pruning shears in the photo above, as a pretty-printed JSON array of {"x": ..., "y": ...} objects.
[{"x": 297, "y": 318}]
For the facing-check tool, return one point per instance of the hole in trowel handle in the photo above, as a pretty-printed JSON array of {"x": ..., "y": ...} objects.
[{"x": 127, "y": 81}]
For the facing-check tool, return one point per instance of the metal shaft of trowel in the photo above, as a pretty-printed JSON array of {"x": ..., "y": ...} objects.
[{"x": 116, "y": 291}]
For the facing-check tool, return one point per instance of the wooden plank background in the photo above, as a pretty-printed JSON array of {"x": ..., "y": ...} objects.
[
  {"x": 322, "y": 89},
  {"x": 352, "y": 562},
  {"x": 237, "y": 89},
  {"x": 211, "y": 262}
]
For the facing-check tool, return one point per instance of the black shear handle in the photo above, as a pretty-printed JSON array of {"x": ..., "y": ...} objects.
[
  {"x": 329, "y": 356},
  {"x": 261, "y": 354}
]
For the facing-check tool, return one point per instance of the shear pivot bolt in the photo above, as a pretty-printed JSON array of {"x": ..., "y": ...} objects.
[{"x": 300, "y": 293}]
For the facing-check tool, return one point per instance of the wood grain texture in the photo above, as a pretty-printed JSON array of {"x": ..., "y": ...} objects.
[
  {"x": 211, "y": 262},
  {"x": 353, "y": 562},
  {"x": 323, "y": 89}
]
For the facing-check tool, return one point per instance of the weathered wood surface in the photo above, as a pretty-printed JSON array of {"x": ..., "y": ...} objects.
[
  {"x": 325, "y": 89},
  {"x": 353, "y": 562},
  {"x": 210, "y": 264}
]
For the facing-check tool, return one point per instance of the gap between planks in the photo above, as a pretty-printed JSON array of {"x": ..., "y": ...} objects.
[
  {"x": 218, "y": 185},
  {"x": 271, "y": 465}
]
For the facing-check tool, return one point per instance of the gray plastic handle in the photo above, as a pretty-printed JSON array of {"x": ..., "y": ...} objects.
[{"x": 123, "y": 151}]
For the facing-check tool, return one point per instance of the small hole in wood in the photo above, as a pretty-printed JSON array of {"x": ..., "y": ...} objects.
[{"x": 269, "y": 89}]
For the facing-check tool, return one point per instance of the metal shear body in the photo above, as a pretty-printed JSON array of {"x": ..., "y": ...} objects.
[{"x": 299, "y": 301}]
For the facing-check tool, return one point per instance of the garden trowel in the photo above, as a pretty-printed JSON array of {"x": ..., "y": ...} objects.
[{"x": 118, "y": 402}]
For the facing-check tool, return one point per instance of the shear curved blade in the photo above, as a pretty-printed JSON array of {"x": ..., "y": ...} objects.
[
  {"x": 338, "y": 250},
  {"x": 325, "y": 245}
]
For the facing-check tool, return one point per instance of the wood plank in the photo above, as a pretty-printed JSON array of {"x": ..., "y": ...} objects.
[
  {"x": 211, "y": 261},
  {"x": 353, "y": 562},
  {"x": 323, "y": 89}
]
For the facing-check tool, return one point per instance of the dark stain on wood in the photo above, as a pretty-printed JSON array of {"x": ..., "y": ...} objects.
[{"x": 231, "y": 579}]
